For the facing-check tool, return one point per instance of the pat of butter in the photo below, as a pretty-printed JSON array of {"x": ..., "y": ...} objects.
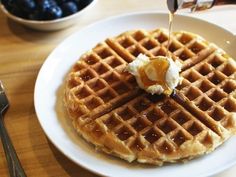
[{"x": 156, "y": 75}]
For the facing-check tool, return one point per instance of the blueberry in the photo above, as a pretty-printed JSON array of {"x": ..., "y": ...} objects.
[
  {"x": 54, "y": 12},
  {"x": 26, "y": 5},
  {"x": 43, "y": 5},
  {"x": 76, "y": 2},
  {"x": 47, "y": 10},
  {"x": 69, "y": 8}
]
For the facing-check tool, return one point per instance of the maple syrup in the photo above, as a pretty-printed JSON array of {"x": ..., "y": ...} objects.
[
  {"x": 160, "y": 66},
  {"x": 171, "y": 18}
]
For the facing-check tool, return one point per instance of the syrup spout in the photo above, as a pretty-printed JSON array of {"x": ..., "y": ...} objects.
[
  {"x": 194, "y": 5},
  {"x": 172, "y": 5}
]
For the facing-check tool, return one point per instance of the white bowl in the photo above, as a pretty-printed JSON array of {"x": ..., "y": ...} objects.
[{"x": 48, "y": 25}]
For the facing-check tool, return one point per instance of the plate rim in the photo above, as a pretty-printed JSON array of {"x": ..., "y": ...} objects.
[{"x": 107, "y": 19}]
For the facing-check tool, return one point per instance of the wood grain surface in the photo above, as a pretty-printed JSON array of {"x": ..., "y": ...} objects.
[{"x": 22, "y": 53}]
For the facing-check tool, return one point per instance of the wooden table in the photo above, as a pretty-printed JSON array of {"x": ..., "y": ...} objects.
[{"x": 23, "y": 51}]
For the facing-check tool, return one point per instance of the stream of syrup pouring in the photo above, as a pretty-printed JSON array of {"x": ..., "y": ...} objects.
[
  {"x": 171, "y": 18},
  {"x": 168, "y": 53}
]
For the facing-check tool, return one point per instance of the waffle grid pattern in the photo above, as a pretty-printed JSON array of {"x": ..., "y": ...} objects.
[
  {"x": 184, "y": 47},
  {"x": 211, "y": 86},
  {"x": 109, "y": 110},
  {"x": 97, "y": 81},
  {"x": 167, "y": 125}
]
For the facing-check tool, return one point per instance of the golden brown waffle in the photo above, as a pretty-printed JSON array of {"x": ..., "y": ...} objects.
[{"x": 109, "y": 109}]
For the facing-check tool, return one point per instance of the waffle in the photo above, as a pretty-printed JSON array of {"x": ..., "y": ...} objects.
[{"x": 109, "y": 109}]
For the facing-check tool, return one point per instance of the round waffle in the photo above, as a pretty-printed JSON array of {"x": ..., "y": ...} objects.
[{"x": 109, "y": 109}]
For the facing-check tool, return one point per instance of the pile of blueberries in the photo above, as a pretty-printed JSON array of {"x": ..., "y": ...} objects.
[{"x": 44, "y": 9}]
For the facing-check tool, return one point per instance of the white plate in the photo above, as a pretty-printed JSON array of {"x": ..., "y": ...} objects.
[{"x": 49, "y": 93}]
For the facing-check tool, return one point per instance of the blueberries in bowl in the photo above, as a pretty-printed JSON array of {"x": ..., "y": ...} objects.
[{"x": 44, "y": 9}]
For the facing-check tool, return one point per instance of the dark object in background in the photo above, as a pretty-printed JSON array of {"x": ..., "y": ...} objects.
[
  {"x": 15, "y": 10},
  {"x": 44, "y": 9},
  {"x": 13, "y": 7},
  {"x": 27, "y": 6},
  {"x": 36, "y": 15},
  {"x": 84, "y": 3},
  {"x": 61, "y": 1}
]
